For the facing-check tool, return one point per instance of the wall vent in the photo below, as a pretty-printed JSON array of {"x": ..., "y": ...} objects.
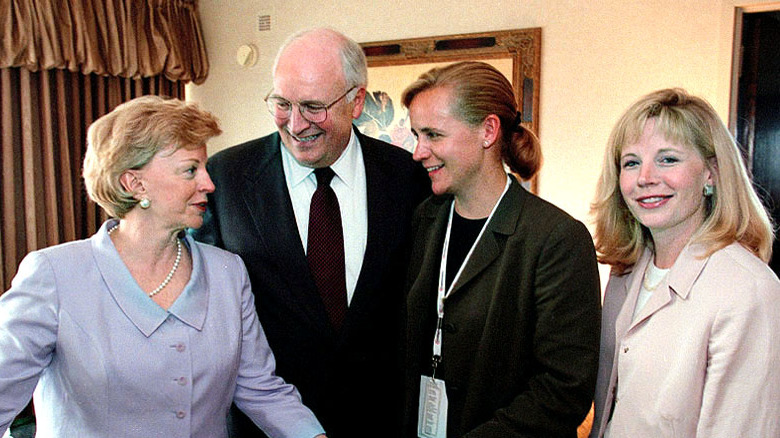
[{"x": 263, "y": 23}]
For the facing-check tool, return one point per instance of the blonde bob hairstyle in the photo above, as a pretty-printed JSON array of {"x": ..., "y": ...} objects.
[
  {"x": 480, "y": 90},
  {"x": 734, "y": 212},
  {"x": 129, "y": 137}
]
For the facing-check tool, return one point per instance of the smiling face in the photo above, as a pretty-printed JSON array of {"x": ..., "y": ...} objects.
[
  {"x": 449, "y": 149},
  {"x": 176, "y": 184},
  {"x": 310, "y": 71},
  {"x": 661, "y": 183}
]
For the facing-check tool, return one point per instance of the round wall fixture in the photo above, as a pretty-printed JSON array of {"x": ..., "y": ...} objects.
[{"x": 246, "y": 55}]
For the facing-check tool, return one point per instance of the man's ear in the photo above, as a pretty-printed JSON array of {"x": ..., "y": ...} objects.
[{"x": 360, "y": 99}]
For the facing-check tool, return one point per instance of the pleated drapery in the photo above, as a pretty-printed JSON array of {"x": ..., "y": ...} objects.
[{"x": 124, "y": 38}]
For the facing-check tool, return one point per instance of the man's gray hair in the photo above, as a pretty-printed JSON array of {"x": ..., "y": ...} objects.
[{"x": 353, "y": 60}]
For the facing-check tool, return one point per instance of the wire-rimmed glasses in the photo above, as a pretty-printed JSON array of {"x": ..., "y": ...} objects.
[{"x": 314, "y": 112}]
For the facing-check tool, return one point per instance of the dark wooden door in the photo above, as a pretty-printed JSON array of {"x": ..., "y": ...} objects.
[{"x": 758, "y": 119}]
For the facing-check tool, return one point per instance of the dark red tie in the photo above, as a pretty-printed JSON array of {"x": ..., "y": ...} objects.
[{"x": 325, "y": 249}]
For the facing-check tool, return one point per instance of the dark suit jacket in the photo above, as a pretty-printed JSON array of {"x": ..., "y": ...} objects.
[
  {"x": 352, "y": 380},
  {"x": 521, "y": 326}
]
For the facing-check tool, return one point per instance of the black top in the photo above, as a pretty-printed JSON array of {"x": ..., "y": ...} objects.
[{"x": 464, "y": 233}]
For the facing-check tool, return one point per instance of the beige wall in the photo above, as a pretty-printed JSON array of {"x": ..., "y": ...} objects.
[{"x": 597, "y": 57}]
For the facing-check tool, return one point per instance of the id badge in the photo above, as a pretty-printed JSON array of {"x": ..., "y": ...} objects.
[{"x": 432, "y": 414}]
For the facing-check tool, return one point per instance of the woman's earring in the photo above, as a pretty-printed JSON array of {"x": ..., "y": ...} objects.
[
  {"x": 485, "y": 144},
  {"x": 144, "y": 203},
  {"x": 709, "y": 190}
]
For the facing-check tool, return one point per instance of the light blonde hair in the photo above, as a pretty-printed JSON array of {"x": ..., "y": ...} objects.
[
  {"x": 734, "y": 213},
  {"x": 480, "y": 90},
  {"x": 129, "y": 137}
]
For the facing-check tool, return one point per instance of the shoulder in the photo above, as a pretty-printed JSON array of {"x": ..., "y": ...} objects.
[
  {"x": 432, "y": 206},
  {"x": 393, "y": 169},
  {"x": 540, "y": 216},
  {"x": 538, "y": 229},
  {"x": 729, "y": 283},
  {"x": 65, "y": 253},
  {"x": 740, "y": 295},
  {"x": 736, "y": 268},
  {"x": 533, "y": 204},
  {"x": 619, "y": 280},
  {"x": 384, "y": 152},
  {"x": 614, "y": 293},
  {"x": 242, "y": 152},
  {"x": 66, "y": 261},
  {"x": 742, "y": 257},
  {"x": 216, "y": 257},
  {"x": 220, "y": 267}
]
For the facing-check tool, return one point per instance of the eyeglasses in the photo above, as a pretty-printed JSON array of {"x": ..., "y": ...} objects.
[{"x": 314, "y": 112}]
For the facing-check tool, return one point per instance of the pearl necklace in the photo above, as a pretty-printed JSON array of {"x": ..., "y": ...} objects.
[{"x": 173, "y": 269}]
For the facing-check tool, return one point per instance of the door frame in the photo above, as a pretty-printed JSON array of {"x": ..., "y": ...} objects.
[{"x": 736, "y": 58}]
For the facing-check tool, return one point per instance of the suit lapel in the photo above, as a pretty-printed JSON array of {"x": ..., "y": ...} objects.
[
  {"x": 631, "y": 290},
  {"x": 381, "y": 190},
  {"x": 490, "y": 246},
  {"x": 660, "y": 298},
  {"x": 680, "y": 280},
  {"x": 379, "y": 222},
  {"x": 435, "y": 223},
  {"x": 268, "y": 202}
]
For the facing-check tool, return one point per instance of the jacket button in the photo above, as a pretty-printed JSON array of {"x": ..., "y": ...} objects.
[
  {"x": 450, "y": 328},
  {"x": 625, "y": 350}
]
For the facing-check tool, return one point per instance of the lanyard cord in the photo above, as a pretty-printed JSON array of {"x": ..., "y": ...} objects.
[{"x": 442, "y": 290}]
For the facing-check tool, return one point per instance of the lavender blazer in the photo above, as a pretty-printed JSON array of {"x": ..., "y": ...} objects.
[
  {"x": 105, "y": 360},
  {"x": 701, "y": 358}
]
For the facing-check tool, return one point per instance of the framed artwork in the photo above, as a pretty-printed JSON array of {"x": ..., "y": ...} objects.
[{"x": 393, "y": 65}]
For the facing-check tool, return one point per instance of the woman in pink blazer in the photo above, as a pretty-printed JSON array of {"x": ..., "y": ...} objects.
[{"x": 690, "y": 341}]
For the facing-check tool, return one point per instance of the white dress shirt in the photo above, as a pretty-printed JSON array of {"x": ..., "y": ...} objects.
[
  {"x": 349, "y": 184},
  {"x": 655, "y": 275}
]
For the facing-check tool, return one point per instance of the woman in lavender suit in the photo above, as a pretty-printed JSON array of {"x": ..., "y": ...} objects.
[{"x": 139, "y": 331}]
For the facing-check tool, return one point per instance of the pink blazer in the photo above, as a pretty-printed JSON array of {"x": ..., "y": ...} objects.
[{"x": 702, "y": 358}]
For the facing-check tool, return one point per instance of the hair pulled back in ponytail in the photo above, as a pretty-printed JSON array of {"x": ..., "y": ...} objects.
[{"x": 480, "y": 90}]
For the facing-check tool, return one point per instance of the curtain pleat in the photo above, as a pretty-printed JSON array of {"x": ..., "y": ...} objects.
[
  {"x": 125, "y": 38},
  {"x": 43, "y": 122}
]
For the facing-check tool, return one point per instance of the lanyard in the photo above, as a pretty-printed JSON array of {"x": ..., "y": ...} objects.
[{"x": 443, "y": 292}]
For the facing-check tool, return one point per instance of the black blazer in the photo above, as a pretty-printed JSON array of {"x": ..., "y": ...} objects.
[
  {"x": 521, "y": 326},
  {"x": 352, "y": 381}
]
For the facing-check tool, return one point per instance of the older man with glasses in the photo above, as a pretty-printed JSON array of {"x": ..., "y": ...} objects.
[{"x": 321, "y": 214}]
